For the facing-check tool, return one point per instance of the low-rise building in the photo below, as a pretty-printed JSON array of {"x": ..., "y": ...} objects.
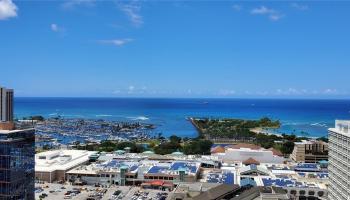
[
  {"x": 52, "y": 165},
  {"x": 241, "y": 153},
  {"x": 129, "y": 172},
  {"x": 310, "y": 151}
]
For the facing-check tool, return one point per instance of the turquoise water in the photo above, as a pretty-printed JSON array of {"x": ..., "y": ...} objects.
[{"x": 302, "y": 117}]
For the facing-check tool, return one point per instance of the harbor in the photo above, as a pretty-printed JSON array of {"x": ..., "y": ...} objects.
[{"x": 59, "y": 131}]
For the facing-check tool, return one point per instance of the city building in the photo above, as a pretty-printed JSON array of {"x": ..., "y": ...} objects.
[
  {"x": 6, "y": 104},
  {"x": 310, "y": 151},
  {"x": 135, "y": 172},
  {"x": 339, "y": 160},
  {"x": 17, "y": 164},
  {"x": 263, "y": 193},
  {"x": 247, "y": 152},
  {"x": 52, "y": 165}
]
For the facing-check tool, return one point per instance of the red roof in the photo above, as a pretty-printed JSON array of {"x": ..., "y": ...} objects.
[
  {"x": 157, "y": 182},
  {"x": 276, "y": 152},
  {"x": 251, "y": 161},
  {"x": 218, "y": 149}
]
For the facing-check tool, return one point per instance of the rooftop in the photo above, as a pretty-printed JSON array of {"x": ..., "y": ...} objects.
[
  {"x": 50, "y": 161},
  {"x": 13, "y": 131},
  {"x": 342, "y": 127}
]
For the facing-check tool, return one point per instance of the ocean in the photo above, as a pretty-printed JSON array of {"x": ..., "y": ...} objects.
[{"x": 309, "y": 118}]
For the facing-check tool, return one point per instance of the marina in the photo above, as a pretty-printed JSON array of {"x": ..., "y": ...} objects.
[{"x": 54, "y": 131}]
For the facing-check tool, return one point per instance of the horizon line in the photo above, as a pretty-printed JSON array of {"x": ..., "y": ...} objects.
[{"x": 184, "y": 97}]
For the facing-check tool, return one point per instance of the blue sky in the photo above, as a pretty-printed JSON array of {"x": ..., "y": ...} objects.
[{"x": 240, "y": 49}]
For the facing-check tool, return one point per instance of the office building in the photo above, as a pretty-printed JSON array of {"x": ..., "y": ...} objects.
[
  {"x": 339, "y": 161},
  {"x": 17, "y": 164},
  {"x": 6, "y": 104},
  {"x": 310, "y": 151}
]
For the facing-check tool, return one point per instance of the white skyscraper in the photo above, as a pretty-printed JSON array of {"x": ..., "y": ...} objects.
[
  {"x": 339, "y": 161},
  {"x": 6, "y": 104}
]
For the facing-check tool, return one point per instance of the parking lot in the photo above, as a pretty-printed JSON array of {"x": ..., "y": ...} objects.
[{"x": 51, "y": 191}]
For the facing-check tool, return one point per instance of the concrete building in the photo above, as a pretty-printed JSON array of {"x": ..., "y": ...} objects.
[
  {"x": 6, "y": 104},
  {"x": 17, "y": 164},
  {"x": 240, "y": 154},
  {"x": 52, "y": 165},
  {"x": 128, "y": 172},
  {"x": 339, "y": 161},
  {"x": 310, "y": 151}
]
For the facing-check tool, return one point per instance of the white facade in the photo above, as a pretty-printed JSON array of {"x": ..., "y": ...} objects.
[
  {"x": 339, "y": 161},
  {"x": 50, "y": 161},
  {"x": 242, "y": 154}
]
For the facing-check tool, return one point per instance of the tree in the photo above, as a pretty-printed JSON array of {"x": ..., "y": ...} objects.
[
  {"x": 175, "y": 139},
  {"x": 167, "y": 148},
  {"x": 287, "y": 147},
  {"x": 107, "y": 146},
  {"x": 198, "y": 147},
  {"x": 134, "y": 148}
]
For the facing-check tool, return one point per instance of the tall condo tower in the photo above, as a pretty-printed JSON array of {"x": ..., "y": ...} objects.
[
  {"x": 6, "y": 104},
  {"x": 339, "y": 161}
]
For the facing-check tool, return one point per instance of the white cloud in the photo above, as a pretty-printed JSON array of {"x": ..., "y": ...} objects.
[
  {"x": 224, "y": 92},
  {"x": 54, "y": 27},
  {"x": 132, "y": 11},
  {"x": 58, "y": 29},
  {"x": 131, "y": 88},
  {"x": 262, "y": 10},
  {"x": 291, "y": 91},
  {"x": 303, "y": 92},
  {"x": 70, "y": 4},
  {"x": 272, "y": 14},
  {"x": 237, "y": 7},
  {"x": 116, "y": 42},
  {"x": 330, "y": 91},
  {"x": 299, "y": 6},
  {"x": 275, "y": 17},
  {"x": 116, "y": 92},
  {"x": 7, "y": 9}
]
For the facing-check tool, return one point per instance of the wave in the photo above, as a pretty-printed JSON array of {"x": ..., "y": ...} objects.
[
  {"x": 142, "y": 118},
  {"x": 103, "y": 115},
  {"x": 53, "y": 114},
  {"x": 71, "y": 115},
  {"x": 319, "y": 124}
]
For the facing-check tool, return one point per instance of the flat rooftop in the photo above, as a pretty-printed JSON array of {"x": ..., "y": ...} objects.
[
  {"x": 50, "y": 161},
  {"x": 14, "y": 131}
]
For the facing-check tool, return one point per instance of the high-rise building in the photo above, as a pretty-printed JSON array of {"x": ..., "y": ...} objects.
[
  {"x": 17, "y": 163},
  {"x": 339, "y": 161},
  {"x": 6, "y": 104}
]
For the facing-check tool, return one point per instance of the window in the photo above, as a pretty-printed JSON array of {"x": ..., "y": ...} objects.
[{"x": 320, "y": 193}]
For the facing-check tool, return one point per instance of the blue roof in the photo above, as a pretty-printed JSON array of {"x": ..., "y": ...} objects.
[
  {"x": 226, "y": 178},
  {"x": 279, "y": 182},
  {"x": 322, "y": 175},
  {"x": 189, "y": 166},
  {"x": 133, "y": 168},
  {"x": 119, "y": 164},
  {"x": 156, "y": 169},
  {"x": 307, "y": 167}
]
